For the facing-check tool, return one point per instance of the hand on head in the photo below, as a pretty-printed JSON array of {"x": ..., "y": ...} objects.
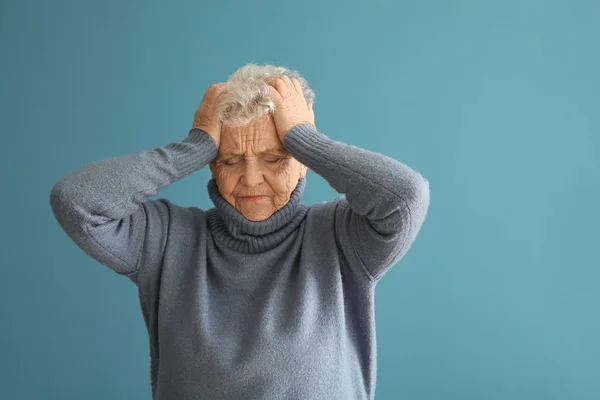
[
  {"x": 205, "y": 118},
  {"x": 291, "y": 107}
]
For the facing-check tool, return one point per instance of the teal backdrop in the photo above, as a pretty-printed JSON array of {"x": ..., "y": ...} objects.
[{"x": 496, "y": 103}]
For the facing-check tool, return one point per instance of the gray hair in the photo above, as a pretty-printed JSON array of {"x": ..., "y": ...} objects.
[{"x": 247, "y": 96}]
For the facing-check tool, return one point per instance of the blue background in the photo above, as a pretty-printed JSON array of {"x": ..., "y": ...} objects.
[{"x": 496, "y": 103}]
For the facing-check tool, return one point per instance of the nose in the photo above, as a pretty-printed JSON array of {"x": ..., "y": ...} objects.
[{"x": 252, "y": 175}]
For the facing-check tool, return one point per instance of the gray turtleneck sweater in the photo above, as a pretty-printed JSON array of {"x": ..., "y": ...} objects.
[{"x": 235, "y": 309}]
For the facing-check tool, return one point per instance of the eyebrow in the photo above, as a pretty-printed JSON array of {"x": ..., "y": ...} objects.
[{"x": 273, "y": 150}]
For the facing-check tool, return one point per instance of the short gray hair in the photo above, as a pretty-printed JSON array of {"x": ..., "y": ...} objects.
[{"x": 247, "y": 96}]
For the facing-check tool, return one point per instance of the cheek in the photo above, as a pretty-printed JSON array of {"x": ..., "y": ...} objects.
[
  {"x": 280, "y": 178},
  {"x": 283, "y": 179},
  {"x": 225, "y": 179}
]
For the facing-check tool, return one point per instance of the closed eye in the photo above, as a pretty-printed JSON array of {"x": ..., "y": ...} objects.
[{"x": 275, "y": 161}]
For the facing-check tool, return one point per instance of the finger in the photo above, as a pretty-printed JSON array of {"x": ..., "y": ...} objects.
[
  {"x": 272, "y": 82},
  {"x": 278, "y": 82},
  {"x": 218, "y": 86},
  {"x": 275, "y": 96},
  {"x": 297, "y": 85},
  {"x": 217, "y": 89},
  {"x": 279, "y": 88},
  {"x": 286, "y": 84},
  {"x": 299, "y": 90}
]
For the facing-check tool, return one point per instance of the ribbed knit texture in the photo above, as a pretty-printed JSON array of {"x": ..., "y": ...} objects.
[
  {"x": 237, "y": 309},
  {"x": 240, "y": 234}
]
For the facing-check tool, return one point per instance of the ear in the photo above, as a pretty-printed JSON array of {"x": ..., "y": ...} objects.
[{"x": 302, "y": 170}]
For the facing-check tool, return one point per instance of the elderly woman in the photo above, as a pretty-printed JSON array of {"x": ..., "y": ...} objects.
[{"x": 261, "y": 297}]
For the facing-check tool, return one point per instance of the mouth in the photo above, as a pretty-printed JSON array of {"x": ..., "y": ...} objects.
[{"x": 252, "y": 197}]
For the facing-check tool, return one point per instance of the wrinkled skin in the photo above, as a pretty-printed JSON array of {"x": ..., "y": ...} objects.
[{"x": 264, "y": 167}]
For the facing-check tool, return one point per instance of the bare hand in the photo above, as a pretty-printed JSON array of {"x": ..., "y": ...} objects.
[
  {"x": 291, "y": 108},
  {"x": 205, "y": 118}
]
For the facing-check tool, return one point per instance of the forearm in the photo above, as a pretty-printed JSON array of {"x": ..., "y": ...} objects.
[
  {"x": 114, "y": 188},
  {"x": 375, "y": 185}
]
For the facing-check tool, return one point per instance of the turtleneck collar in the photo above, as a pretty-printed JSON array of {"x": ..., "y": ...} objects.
[{"x": 230, "y": 227}]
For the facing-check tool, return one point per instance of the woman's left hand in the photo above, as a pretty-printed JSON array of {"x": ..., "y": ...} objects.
[{"x": 291, "y": 108}]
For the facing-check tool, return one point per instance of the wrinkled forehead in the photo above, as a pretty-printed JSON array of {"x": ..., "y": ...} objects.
[{"x": 256, "y": 137}]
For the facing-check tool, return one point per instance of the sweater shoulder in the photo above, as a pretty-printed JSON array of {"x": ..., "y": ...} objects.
[
  {"x": 318, "y": 211},
  {"x": 320, "y": 219},
  {"x": 171, "y": 227}
]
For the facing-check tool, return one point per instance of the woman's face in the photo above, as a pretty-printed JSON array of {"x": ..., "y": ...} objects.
[{"x": 253, "y": 162}]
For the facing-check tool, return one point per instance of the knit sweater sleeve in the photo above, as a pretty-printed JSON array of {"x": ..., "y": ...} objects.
[
  {"x": 385, "y": 201},
  {"x": 104, "y": 207}
]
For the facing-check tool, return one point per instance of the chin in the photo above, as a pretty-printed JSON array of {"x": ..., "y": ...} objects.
[{"x": 257, "y": 219}]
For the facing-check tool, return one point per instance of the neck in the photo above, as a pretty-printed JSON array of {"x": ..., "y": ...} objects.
[{"x": 234, "y": 230}]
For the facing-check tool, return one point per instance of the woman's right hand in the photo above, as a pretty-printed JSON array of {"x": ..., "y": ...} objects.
[{"x": 205, "y": 118}]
